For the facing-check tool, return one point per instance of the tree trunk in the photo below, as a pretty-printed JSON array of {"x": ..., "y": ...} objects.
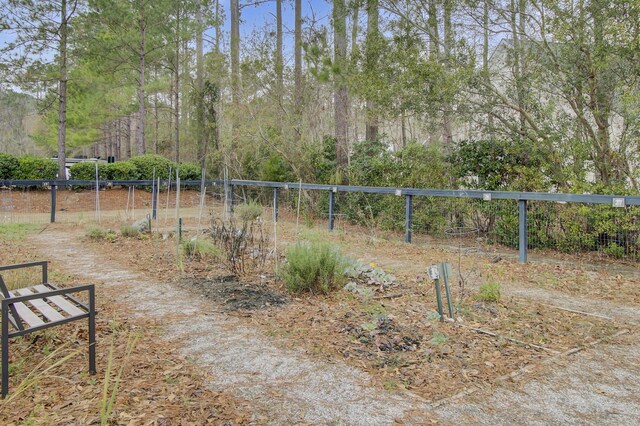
[
  {"x": 485, "y": 57},
  {"x": 176, "y": 85},
  {"x": 297, "y": 70},
  {"x": 235, "y": 70},
  {"x": 371, "y": 64},
  {"x": 517, "y": 75},
  {"x": 434, "y": 52},
  {"x": 279, "y": 61},
  {"x": 140, "y": 133},
  {"x": 62, "y": 96},
  {"x": 341, "y": 95},
  {"x": 447, "y": 137},
  {"x": 201, "y": 139}
]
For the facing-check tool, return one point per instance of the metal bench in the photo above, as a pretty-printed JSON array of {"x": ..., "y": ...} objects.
[{"x": 42, "y": 306}]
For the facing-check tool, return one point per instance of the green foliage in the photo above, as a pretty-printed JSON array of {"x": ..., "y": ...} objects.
[
  {"x": 121, "y": 170},
  {"x": 97, "y": 233},
  {"x": 16, "y": 231},
  {"x": 489, "y": 292},
  {"x": 129, "y": 231},
  {"x": 275, "y": 169},
  {"x": 248, "y": 212},
  {"x": 313, "y": 267},
  {"x": 87, "y": 170},
  {"x": 503, "y": 164},
  {"x": 36, "y": 168},
  {"x": 189, "y": 171},
  {"x": 200, "y": 249},
  {"x": 145, "y": 164},
  {"x": 9, "y": 166}
]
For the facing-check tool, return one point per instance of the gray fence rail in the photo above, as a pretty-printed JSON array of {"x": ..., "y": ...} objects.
[{"x": 615, "y": 201}]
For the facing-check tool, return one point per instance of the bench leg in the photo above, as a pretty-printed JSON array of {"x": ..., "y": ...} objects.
[
  {"x": 92, "y": 331},
  {"x": 5, "y": 349}
]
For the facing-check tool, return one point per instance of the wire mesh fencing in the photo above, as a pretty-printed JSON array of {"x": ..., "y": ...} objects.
[{"x": 454, "y": 218}]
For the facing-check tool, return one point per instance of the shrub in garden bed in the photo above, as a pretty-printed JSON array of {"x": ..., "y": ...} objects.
[
  {"x": 87, "y": 171},
  {"x": 9, "y": 165},
  {"x": 122, "y": 170},
  {"x": 36, "y": 168},
  {"x": 146, "y": 164},
  {"x": 316, "y": 267}
]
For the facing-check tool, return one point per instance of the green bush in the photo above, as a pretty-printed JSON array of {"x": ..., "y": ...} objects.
[
  {"x": 189, "y": 171},
  {"x": 314, "y": 267},
  {"x": 147, "y": 163},
  {"x": 9, "y": 166},
  {"x": 36, "y": 168},
  {"x": 87, "y": 171},
  {"x": 489, "y": 292},
  {"x": 122, "y": 170}
]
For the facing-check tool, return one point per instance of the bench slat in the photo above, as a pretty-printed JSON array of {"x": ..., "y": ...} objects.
[
  {"x": 45, "y": 309},
  {"x": 27, "y": 315},
  {"x": 60, "y": 301}
]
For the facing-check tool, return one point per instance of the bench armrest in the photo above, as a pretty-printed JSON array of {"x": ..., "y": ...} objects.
[{"x": 42, "y": 263}]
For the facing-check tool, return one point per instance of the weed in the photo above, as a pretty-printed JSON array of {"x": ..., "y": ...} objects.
[
  {"x": 200, "y": 249},
  {"x": 129, "y": 231},
  {"x": 97, "y": 233},
  {"x": 489, "y": 292},
  {"x": 314, "y": 267},
  {"x": 16, "y": 231},
  {"x": 109, "y": 394},
  {"x": 438, "y": 339}
]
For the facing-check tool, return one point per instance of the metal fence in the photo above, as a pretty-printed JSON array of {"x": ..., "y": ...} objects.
[{"x": 595, "y": 225}]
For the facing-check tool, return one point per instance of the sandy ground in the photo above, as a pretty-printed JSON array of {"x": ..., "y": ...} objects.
[{"x": 599, "y": 385}]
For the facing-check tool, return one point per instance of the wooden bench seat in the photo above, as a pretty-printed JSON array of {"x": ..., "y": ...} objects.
[{"x": 41, "y": 306}]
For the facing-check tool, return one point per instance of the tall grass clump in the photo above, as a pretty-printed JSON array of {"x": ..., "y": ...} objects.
[
  {"x": 490, "y": 292},
  {"x": 200, "y": 249},
  {"x": 316, "y": 267},
  {"x": 129, "y": 231}
]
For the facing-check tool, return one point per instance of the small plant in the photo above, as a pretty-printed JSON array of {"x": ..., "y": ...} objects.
[
  {"x": 438, "y": 339},
  {"x": 248, "y": 212},
  {"x": 97, "y": 233},
  {"x": 110, "y": 392},
  {"x": 489, "y": 292},
  {"x": 129, "y": 231},
  {"x": 314, "y": 267},
  {"x": 199, "y": 249}
]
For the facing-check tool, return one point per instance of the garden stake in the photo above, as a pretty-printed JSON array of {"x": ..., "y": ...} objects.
[
  {"x": 166, "y": 210},
  {"x": 444, "y": 266},
  {"x": 439, "y": 298}
]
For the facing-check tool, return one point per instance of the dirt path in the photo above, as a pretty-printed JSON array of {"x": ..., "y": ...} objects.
[{"x": 288, "y": 386}]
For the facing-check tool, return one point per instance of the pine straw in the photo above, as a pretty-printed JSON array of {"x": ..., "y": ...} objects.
[
  {"x": 157, "y": 386},
  {"x": 397, "y": 352}
]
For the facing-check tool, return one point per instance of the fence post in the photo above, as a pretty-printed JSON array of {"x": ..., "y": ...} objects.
[
  {"x": 154, "y": 201},
  {"x": 408, "y": 218},
  {"x": 275, "y": 204},
  {"x": 231, "y": 199},
  {"x": 523, "y": 232},
  {"x": 331, "y": 207},
  {"x": 53, "y": 203}
]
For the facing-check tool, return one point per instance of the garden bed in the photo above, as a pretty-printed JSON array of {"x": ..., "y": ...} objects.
[{"x": 390, "y": 331}]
